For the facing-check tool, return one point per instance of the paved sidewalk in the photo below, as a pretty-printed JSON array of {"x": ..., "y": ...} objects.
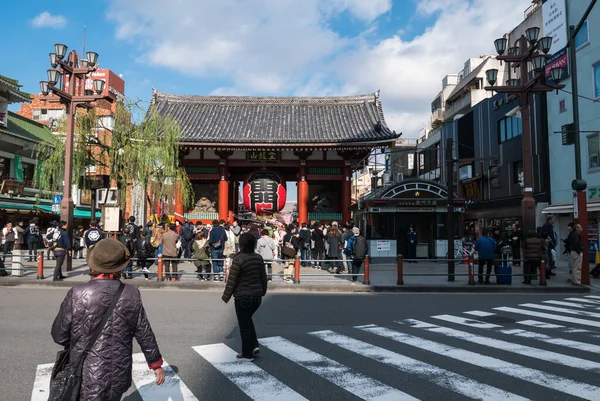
[{"x": 425, "y": 276}]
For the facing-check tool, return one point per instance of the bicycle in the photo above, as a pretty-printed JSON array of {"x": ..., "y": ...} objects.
[{"x": 465, "y": 250}]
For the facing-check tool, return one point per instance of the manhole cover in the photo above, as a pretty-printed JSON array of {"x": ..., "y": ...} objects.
[{"x": 497, "y": 319}]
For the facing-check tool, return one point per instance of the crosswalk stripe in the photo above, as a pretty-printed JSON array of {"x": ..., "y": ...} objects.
[
  {"x": 592, "y": 296},
  {"x": 541, "y": 325},
  {"x": 515, "y": 348},
  {"x": 583, "y": 322},
  {"x": 529, "y": 375},
  {"x": 144, "y": 379},
  {"x": 41, "y": 384},
  {"x": 578, "y": 345},
  {"x": 342, "y": 376},
  {"x": 252, "y": 380},
  {"x": 562, "y": 310},
  {"x": 587, "y": 301},
  {"x": 443, "y": 378},
  {"x": 479, "y": 313},
  {"x": 466, "y": 322},
  {"x": 572, "y": 305}
]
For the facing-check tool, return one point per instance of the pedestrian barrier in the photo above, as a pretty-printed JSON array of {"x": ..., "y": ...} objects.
[
  {"x": 40, "y": 266},
  {"x": 543, "y": 273},
  {"x": 366, "y": 277},
  {"x": 159, "y": 275},
  {"x": 297, "y": 270},
  {"x": 400, "y": 264},
  {"x": 471, "y": 263}
]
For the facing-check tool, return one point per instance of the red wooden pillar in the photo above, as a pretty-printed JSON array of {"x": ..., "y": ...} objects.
[
  {"x": 346, "y": 194},
  {"x": 223, "y": 190},
  {"x": 302, "y": 194},
  {"x": 178, "y": 207}
]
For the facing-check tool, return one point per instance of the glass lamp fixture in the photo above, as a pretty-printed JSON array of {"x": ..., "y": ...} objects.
[
  {"x": 53, "y": 60},
  {"x": 545, "y": 44},
  {"x": 500, "y": 44},
  {"x": 44, "y": 88},
  {"x": 99, "y": 86},
  {"x": 492, "y": 76},
  {"x": 532, "y": 34},
  {"x": 92, "y": 58},
  {"x": 53, "y": 76},
  {"x": 538, "y": 62},
  {"x": 60, "y": 50}
]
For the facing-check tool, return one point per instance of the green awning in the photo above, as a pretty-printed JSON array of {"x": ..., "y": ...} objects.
[{"x": 77, "y": 213}]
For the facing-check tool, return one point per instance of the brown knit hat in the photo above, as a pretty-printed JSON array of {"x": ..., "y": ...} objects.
[{"x": 108, "y": 256}]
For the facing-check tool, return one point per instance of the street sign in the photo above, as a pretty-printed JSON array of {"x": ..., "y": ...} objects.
[
  {"x": 56, "y": 199},
  {"x": 56, "y": 208},
  {"x": 575, "y": 206}
]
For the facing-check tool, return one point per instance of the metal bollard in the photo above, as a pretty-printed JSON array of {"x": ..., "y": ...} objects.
[
  {"x": 297, "y": 270},
  {"x": 400, "y": 270},
  {"x": 366, "y": 280},
  {"x": 471, "y": 266},
  {"x": 17, "y": 263},
  {"x": 159, "y": 275},
  {"x": 40, "y": 266},
  {"x": 543, "y": 273}
]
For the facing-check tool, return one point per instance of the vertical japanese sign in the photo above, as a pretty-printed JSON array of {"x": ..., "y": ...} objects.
[
  {"x": 554, "y": 17},
  {"x": 3, "y": 113}
]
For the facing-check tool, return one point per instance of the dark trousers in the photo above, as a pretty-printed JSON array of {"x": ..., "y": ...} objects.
[
  {"x": 32, "y": 246},
  {"x": 482, "y": 262},
  {"x": 245, "y": 307},
  {"x": 269, "y": 267},
  {"x": 187, "y": 249},
  {"x": 143, "y": 262},
  {"x": 334, "y": 265},
  {"x": 411, "y": 252},
  {"x": 60, "y": 259},
  {"x": 516, "y": 254},
  {"x": 217, "y": 264},
  {"x": 356, "y": 264},
  {"x": 530, "y": 270},
  {"x": 8, "y": 247}
]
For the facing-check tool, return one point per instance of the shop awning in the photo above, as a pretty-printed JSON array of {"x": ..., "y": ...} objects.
[
  {"x": 77, "y": 213},
  {"x": 568, "y": 208}
]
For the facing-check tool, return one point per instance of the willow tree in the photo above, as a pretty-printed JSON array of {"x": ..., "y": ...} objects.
[{"x": 144, "y": 153}]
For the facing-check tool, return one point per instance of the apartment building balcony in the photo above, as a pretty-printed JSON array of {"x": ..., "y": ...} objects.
[{"x": 437, "y": 117}]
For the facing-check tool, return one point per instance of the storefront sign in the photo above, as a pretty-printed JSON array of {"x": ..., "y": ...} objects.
[
  {"x": 554, "y": 17},
  {"x": 18, "y": 168},
  {"x": 560, "y": 60},
  {"x": 263, "y": 156},
  {"x": 593, "y": 193},
  {"x": 4, "y": 113},
  {"x": 264, "y": 192},
  {"x": 111, "y": 218},
  {"x": 12, "y": 187},
  {"x": 417, "y": 203},
  {"x": 575, "y": 206},
  {"x": 85, "y": 197},
  {"x": 383, "y": 246},
  {"x": 415, "y": 209}
]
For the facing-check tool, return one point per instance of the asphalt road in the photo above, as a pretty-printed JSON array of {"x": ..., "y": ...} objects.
[{"x": 426, "y": 358}]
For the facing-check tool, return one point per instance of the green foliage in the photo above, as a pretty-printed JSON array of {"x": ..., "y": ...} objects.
[{"x": 146, "y": 153}]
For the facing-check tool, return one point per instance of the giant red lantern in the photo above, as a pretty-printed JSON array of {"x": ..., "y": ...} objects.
[{"x": 264, "y": 192}]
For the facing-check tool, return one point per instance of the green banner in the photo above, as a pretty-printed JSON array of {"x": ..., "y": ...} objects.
[{"x": 18, "y": 168}]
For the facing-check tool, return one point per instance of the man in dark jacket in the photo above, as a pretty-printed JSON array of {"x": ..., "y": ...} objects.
[
  {"x": 187, "y": 238},
  {"x": 216, "y": 241},
  {"x": 576, "y": 247},
  {"x": 128, "y": 240},
  {"x": 93, "y": 235},
  {"x": 548, "y": 230},
  {"x": 32, "y": 236},
  {"x": 411, "y": 244},
  {"x": 304, "y": 237},
  {"x": 290, "y": 239},
  {"x": 247, "y": 283},
  {"x": 533, "y": 251},
  {"x": 359, "y": 251},
  {"x": 63, "y": 247},
  {"x": 486, "y": 248},
  {"x": 107, "y": 368},
  {"x": 144, "y": 251}
]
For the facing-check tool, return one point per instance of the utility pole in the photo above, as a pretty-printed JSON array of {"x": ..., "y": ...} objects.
[
  {"x": 450, "y": 222},
  {"x": 579, "y": 185}
]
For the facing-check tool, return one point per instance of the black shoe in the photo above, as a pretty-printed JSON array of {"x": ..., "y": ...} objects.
[
  {"x": 241, "y": 357},
  {"x": 487, "y": 282},
  {"x": 551, "y": 274},
  {"x": 256, "y": 351}
]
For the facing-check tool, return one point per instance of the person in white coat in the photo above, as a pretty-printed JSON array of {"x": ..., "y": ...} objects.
[{"x": 267, "y": 248}]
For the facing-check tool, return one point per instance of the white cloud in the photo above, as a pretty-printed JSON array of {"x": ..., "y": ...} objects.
[
  {"x": 280, "y": 47},
  {"x": 47, "y": 20}
]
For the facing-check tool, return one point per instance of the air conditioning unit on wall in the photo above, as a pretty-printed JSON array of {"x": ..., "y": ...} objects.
[{"x": 106, "y": 195}]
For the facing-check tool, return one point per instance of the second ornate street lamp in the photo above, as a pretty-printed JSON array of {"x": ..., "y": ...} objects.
[
  {"x": 63, "y": 79},
  {"x": 529, "y": 53}
]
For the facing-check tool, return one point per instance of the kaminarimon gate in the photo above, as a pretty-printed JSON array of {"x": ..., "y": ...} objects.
[{"x": 268, "y": 141}]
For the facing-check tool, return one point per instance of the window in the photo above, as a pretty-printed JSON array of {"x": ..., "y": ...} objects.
[
  {"x": 36, "y": 114},
  {"x": 582, "y": 37},
  {"x": 28, "y": 171},
  {"x": 106, "y": 122},
  {"x": 509, "y": 127},
  {"x": 4, "y": 167},
  {"x": 593, "y": 151},
  {"x": 44, "y": 112},
  {"x": 562, "y": 105},
  {"x": 518, "y": 172},
  {"x": 597, "y": 79}
]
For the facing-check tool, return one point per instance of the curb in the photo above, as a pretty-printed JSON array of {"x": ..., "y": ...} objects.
[{"x": 292, "y": 288}]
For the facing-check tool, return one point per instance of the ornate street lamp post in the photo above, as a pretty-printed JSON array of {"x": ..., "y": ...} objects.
[
  {"x": 529, "y": 54},
  {"x": 66, "y": 79}
]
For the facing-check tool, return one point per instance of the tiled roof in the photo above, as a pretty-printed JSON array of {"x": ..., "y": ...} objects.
[
  {"x": 24, "y": 128},
  {"x": 276, "y": 120},
  {"x": 15, "y": 93}
]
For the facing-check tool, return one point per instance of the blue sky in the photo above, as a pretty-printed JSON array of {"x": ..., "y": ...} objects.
[{"x": 266, "y": 47}]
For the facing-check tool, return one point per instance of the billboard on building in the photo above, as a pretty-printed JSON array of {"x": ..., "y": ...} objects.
[{"x": 114, "y": 87}]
